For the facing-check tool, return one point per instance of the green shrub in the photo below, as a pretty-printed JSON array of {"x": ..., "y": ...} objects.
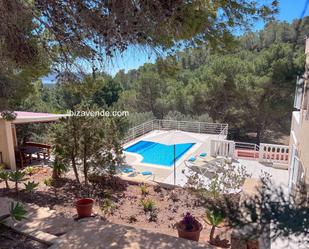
[
  {"x": 17, "y": 212},
  {"x": 29, "y": 170},
  {"x": 214, "y": 218},
  {"x": 2, "y": 166},
  {"x": 144, "y": 189},
  {"x": 30, "y": 186},
  {"x": 4, "y": 176},
  {"x": 59, "y": 169},
  {"x": 17, "y": 177},
  {"x": 50, "y": 182},
  {"x": 107, "y": 206},
  {"x": 148, "y": 205}
]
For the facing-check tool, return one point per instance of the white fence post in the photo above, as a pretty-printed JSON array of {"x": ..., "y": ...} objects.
[{"x": 224, "y": 148}]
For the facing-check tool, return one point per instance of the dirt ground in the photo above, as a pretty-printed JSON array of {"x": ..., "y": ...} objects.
[{"x": 124, "y": 206}]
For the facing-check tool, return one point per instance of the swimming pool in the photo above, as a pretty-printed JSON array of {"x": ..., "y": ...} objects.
[{"x": 159, "y": 154}]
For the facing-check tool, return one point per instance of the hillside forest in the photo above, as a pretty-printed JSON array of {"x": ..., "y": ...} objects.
[{"x": 250, "y": 86}]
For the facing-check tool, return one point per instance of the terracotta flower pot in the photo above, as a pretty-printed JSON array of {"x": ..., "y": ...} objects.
[
  {"x": 84, "y": 207},
  {"x": 193, "y": 234}
]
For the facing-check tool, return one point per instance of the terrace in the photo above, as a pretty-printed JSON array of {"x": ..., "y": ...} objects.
[
  {"x": 134, "y": 224},
  {"x": 212, "y": 139}
]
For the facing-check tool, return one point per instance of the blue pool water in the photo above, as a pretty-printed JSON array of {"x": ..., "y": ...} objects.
[{"x": 160, "y": 154}]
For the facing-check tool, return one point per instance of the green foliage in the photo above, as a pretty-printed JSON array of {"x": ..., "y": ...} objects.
[
  {"x": 17, "y": 212},
  {"x": 31, "y": 186},
  {"x": 107, "y": 206},
  {"x": 29, "y": 170},
  {"x": 148, "y": 205},
  {"x": 59, "y": 168},
  {"x": 270, "y": 203},
  {"x": 214, "y": 217},
  {"x": 93, "y": 141},
  {"x": 2, "y": 166},
  {"x": 5, "y": 176},
  {"x": 8, "y": 115},
  {"x": 144, "y": 189},
  {"x": 49, "y": 182},
  {"x": 17, "y": 177}
]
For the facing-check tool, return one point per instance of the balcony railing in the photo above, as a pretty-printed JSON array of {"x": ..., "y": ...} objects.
[
  {"x": 246, "y": 146},
  {"x": 162, "y": 124},
  {"x": 274, "y": 153},
  {"x": 246, "y": 150}
]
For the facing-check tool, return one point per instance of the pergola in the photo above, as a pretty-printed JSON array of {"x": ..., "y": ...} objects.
[{"x": 8, "y": 139}]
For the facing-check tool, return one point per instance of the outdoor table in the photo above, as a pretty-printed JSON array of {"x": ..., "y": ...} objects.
[{"x": 29, "y": 150}]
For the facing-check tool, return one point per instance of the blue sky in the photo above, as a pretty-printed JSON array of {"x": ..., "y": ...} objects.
[{"x": 133, "y": 58}]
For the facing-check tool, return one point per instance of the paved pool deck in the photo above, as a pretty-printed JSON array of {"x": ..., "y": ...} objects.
[
  {"x": 166, "y": 174},
  {"x": 161, "y": 173}
]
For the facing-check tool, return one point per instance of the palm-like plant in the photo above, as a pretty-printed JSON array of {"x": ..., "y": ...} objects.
[
  {"x": 29, "y": 170},
  {"x": 4, "y": 176},
  {"x": 213, "y": 218},
  {"x": 17, "y": 177},
  {"x": 30, "y": 186},
  {"x": 17, "y": 212}
]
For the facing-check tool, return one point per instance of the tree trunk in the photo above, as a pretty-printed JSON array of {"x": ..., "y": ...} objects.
[
  {"x": 74, "y": 152},
  {"x": 259, "y": 131},
  {"x": 211, "y": 235},
  {"x": 6, "y": 184},
  {"x": 16, "y": 187},
  {"x": 85, "y": 164},
  {"x": 55, "y": 173},
  {"x": 75, "y": 168}
]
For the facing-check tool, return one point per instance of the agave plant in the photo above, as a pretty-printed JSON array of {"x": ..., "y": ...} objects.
[
  {"x": 4, "y": 176},
  {"x": 50, "y": 182},
  {"x": 29, "y": 170},
  {"x": 17, "y": 177},
  {"x": 148, "y": 205},
  {"x": 17, "y": 212},
  {"x": 30, "y": 186},
  {"x": 144, "y": 189},
  {"x": 213, "y": 218},
  {"x": 59, "y": 168}
]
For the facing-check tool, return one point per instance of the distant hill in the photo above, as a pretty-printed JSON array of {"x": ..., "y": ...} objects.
[{"x": 49, "y": 85}]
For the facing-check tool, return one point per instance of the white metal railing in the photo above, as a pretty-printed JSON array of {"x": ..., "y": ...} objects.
[
  {"x": 225, "y": 148},
  {"x": 162, "y": 124},
  {"x": 274, "y": 153},
  {"x": 246, "y": 146}
]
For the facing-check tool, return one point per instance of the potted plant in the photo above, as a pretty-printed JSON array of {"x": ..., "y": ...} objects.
[
  {"x": 189, "y": 228},
  {"x": 84, "y": 207}
]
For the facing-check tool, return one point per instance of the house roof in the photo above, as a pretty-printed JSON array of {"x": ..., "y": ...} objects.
[{"x": 35, "y": 117}]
